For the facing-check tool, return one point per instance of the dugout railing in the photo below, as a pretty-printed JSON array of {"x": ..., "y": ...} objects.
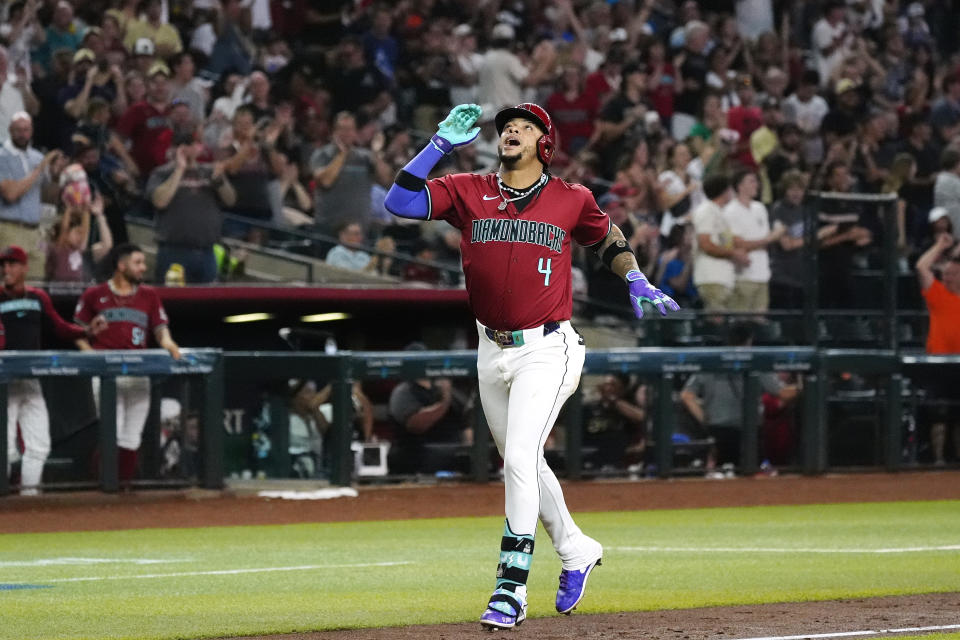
[
  {"x": 664, "y": 367},
  {"x": 204, "y": 364}
]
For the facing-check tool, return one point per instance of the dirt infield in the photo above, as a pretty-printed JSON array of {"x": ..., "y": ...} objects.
[
  {"x": 711, "y": 623},
  {"x": 95, "y": 511}
]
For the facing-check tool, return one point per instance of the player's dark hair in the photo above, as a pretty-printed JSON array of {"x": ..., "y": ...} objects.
[
  {"x": 121, "y": 251},
  {"x": 715, "y": 184}
]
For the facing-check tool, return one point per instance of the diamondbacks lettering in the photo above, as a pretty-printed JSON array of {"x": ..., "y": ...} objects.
[{"x": 526, "y": 231}]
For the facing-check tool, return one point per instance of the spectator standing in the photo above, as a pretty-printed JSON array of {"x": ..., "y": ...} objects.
[
  {"x": 787, "y": 156},
  {"x": 28, "y": 314},
  {"x": 188, "y": 197},
  {"x": 133, "y": 312},
  {"x": 146, "y": 124},
  {"x": 620, "y": 125},
  {"x": 62, "y": 33},
  {"x": 252, "y": 162},
  {"x": 503, "y": 76},
  {"x": 151, "y": 25},
  {"x": 787, "y": 277},
  {"x": 69, "y": 256},
  {"x": 185, "y": 86},
  {"x": 15, "y": 93},
  {"x": 831, "y": 39},
  {"x": 806, "y": 109},
  {"x": 946, "y": 188},
  {"x": 345, "y": 173},
  {"x": 715, "y": 257},
  {"x": 750, "y": 226},
  {"x": 23, "y": 171},
  {"x": 943, "y": 337},
  {"x": 574, "y": 111},
  {"x": 745, "y": 118},
  {"x": 88, "y": 81},
  {"x": 680, "y": 193},
  {"x": 841, "y": 236},
  {"x": 675, "y": 266},
  {"x": 693, "y": 68},
  {"x": 918, "y": 191},
  {"x": 945, "y": 112}
]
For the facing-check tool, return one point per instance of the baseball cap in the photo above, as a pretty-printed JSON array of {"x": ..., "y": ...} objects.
[
  {"x": 462, "y": 30},
  {"x": 83, "y": 55},
  {"x": 143, "y": 47},
  {"x": 618, "y": 35},
  {"x": 13, "y": 253},
  {"x": 503, "y": 31},
  {"x": 936, "y": 213},
  {"x": 844, "y": 85},
  {"x": 158, "y": 67},
  {"x": 915, "y": 10}
]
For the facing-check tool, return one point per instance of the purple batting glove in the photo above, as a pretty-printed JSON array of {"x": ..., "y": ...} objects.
[{"x": 641, "y": 289}]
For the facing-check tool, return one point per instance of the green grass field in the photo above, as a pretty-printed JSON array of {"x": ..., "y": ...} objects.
[{"x": 191, "y": 583}]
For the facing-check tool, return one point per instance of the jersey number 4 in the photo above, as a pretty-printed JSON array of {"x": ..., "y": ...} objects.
[{"x": 545, "y": 270}]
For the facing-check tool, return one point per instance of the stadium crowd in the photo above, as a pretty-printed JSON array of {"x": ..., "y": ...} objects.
[
  {"x": 299, "y": 114},
  {"x": 700, "y": 127}
]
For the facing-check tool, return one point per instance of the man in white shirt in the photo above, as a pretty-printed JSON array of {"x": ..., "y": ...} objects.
[
  {"x": 502, "y": 77},
  {"x": 23, "y": 171},
  {"x": 715, "y": 258},
  {"x": 806, "y": 109},
  {"x": 750, "y": 225},
  {"x": 15, "y": 94},
  {"x": 946, "y": 188},
  {"x": 831, "y": 39}
]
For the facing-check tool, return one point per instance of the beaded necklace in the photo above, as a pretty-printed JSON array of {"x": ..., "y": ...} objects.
[{"x": 518, "y": 193}]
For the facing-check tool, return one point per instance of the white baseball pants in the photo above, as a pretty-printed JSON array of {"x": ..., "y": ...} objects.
[
  {"x": 26, "y": 407},
  {"x": 522, "y": 390},
  {"x": 133, "y": 405}
]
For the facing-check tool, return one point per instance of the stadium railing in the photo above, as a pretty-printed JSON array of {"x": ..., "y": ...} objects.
[{"x": 207, "y": 364}]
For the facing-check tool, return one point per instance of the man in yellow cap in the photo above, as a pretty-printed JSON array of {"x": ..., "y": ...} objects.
[{"x": 146, "y": 124}]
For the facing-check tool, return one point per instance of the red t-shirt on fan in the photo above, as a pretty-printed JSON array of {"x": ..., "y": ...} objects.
[
  {"x": 517, "y": 264},
  {"x": 130, "y": 319}
]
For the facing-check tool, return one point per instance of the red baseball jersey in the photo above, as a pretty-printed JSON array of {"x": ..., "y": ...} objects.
[
  {"x": 517, "y": 264},
  {"x": 130, "y": 319}
]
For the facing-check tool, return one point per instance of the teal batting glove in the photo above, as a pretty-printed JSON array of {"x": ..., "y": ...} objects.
[{"x": 458, "y": 130}]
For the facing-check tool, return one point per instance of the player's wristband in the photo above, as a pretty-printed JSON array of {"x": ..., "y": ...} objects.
[
  {"x": 611, "y": 252},
  {"x": 442, "y": 144}
]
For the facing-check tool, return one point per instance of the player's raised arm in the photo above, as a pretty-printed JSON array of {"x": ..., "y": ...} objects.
[
  {"x": 615, "y": 253},
  {"x": 408, "y": 196}
]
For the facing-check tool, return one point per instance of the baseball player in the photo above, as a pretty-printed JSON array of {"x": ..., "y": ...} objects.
[
  {"x": 517, "y": 226},
  {"x": 26, "y": 312},
  {"x": 133, "y": 312}
]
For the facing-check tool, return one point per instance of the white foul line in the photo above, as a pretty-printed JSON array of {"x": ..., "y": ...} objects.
[
  {"x": 949, "y": 547},
  {"x": 223, "y": 572},
  {"x": 53, "y": 562},
  {"x": 847, "y": 634}
]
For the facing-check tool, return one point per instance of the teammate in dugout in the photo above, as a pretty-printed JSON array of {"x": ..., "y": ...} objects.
[
  {"x": 133, "y": 312},
  {"x": 517, "y": 226},
  {"x": 26, "y": 313}
]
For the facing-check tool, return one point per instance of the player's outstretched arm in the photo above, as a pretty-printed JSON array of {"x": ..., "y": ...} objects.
[
  {"x": 615, "y": 252},
  {"x": 408, "y": 196}
]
